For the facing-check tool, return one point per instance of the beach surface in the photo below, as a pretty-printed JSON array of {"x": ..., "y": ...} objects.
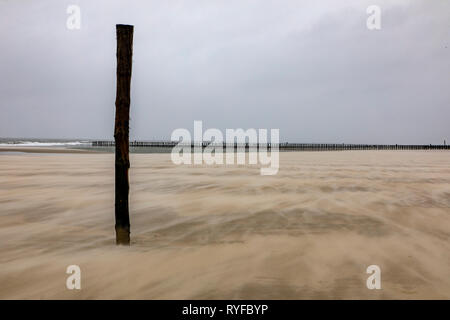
[{"x": 226, "y": 232}]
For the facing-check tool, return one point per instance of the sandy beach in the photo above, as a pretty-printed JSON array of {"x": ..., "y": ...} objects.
[{"x": 226, "y": 232}]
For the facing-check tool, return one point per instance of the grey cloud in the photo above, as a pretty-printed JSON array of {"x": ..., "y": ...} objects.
[{"x": 309, "y": 68}]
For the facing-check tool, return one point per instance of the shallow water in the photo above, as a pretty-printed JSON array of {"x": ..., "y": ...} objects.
[{"x": 226, "y": 231}]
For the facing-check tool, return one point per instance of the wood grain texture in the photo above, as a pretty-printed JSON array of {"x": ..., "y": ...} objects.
[{"x": 121, "y": 132}]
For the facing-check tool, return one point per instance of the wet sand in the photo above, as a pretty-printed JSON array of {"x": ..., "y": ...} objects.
[{"x": 217, "y": 232}]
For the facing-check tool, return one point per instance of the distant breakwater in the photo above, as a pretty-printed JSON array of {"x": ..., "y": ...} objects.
[{"x": 281, "y": 146}]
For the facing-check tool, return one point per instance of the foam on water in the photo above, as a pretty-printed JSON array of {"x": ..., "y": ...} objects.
[{"x": 41, "y": 143}]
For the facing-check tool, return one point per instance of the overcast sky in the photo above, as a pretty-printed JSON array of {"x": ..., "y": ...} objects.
[{"x": 309, "y": 68}]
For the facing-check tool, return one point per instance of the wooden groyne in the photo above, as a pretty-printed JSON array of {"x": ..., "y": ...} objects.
[{"x": 284, "y": 146}]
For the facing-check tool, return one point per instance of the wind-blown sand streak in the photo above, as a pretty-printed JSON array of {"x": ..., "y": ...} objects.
[{"x": 228, "y": 232}]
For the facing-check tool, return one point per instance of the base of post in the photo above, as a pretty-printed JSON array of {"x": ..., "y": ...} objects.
[{"x": 122, "y": 236}]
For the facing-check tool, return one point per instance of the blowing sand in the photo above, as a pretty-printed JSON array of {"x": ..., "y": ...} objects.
[{"x": 228, "y": 232}]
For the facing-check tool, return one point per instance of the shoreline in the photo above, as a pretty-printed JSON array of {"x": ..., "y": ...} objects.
[
  {"x": 156, "y": 150},
  {"x": 48, "y": 150}
]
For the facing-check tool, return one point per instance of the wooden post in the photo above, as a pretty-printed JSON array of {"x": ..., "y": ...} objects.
[{"x": 121, "y": 131}]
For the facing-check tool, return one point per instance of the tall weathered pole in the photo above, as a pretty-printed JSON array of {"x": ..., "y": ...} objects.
[{"x": 121, "y": 128}]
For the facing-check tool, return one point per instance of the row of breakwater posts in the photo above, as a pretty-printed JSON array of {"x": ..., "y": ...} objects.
[{"x": 281, "y": 146}]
